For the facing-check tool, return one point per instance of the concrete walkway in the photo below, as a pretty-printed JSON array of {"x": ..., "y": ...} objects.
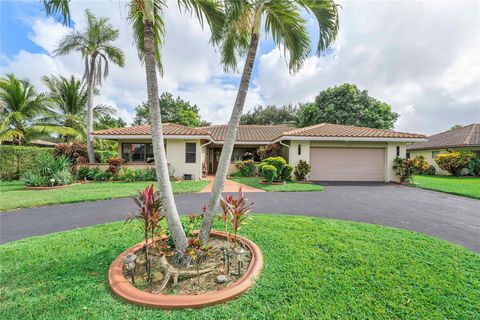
[{"x": 230, "y": 186}]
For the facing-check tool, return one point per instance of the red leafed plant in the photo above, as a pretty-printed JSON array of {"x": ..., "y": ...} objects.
[
  {"x": 235, "y": 211},
  {"x": 149, "y": 215},
  {"x": 198, "y": 253}
]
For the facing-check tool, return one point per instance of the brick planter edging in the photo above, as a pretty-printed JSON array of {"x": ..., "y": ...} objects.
[
  {"x": 55, "y": 187},
  {"x": 123, "y": 289}
]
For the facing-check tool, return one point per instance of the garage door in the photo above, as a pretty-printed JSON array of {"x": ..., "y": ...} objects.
[{"x": 347, "y": 164}]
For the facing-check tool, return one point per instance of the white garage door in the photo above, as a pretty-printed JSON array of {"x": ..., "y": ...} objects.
[{"x": 347, "y": 164}]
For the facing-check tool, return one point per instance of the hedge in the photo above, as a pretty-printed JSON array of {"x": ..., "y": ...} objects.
[{"x": 16, "y": 160}]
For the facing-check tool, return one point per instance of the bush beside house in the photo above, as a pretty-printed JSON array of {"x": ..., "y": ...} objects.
[
  {"x": 454, "y": 162},
  {"x": 48, "y": 171}
]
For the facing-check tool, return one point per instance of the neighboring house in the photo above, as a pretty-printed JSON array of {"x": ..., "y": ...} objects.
[
  {"x": 335, "y": 152},
  {"x": 466, "y": 138}
]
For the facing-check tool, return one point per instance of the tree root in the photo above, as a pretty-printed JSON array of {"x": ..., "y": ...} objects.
[{"x": 170, "y": 272}]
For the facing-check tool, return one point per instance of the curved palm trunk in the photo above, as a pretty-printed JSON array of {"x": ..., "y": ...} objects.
[
  {"x": 90, "y": 151},
  {"x": 228, "y": 144},
  {"x": 161, "y": 166}
]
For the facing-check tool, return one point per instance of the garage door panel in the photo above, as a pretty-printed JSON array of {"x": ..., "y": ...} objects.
[{"x": 347, "y": 164}]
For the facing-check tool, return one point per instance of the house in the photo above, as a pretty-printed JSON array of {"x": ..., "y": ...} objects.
[
  {"x": 335, "y": 152},
  {"x": 461, "y": 139}
]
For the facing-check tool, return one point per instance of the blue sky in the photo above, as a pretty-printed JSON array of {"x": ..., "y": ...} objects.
[{"x": 421, "y": 59}]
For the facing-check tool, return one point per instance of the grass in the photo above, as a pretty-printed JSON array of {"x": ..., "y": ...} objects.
[
  {"x": 289, "y": 186},
  {"x": 314, "y": 269},
  {"x": 13, "y": 195},
  {"x": 462, "y": 186}
]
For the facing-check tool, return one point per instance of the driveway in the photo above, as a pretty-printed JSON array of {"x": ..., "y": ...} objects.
[{"x": 450, "y": 217}]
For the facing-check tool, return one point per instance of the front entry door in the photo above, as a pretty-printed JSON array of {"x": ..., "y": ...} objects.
[{"x": 216, "y": 158}]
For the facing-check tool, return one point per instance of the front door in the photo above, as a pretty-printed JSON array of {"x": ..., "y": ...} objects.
[{"x": 216, "y": 152}]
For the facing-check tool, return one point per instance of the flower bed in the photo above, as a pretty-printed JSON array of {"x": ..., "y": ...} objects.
[
  {"x": 220, "y": 293},
  {"x": 55, "y": 187}
]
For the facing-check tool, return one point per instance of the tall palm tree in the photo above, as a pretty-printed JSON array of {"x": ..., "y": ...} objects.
[
  {"x": 284, "y": 22},
  {"x": 149, "y": 31},
  {"x": 68, "y": 99},
  {"x": 24, "y": 115},
  {"x": 96, "y": 47}
]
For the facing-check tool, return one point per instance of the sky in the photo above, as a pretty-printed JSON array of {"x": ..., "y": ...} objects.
[{"x": 421, "y": 57}]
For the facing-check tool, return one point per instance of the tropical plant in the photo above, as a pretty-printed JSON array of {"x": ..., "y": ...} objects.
[
  {"x": 246, "y": 168},
  {"x": 149, "y": 214},
  {"x": 95, "y": 44},
  {"x": 347, "y": 105},
  {"x": 114, "y": 165},
  {"x": 87, "y": 173},
  {"x": 421, "y": 165},
  {"x": 474, "y": 166},
  {"x": 454, "y": 162},
  {"x": 404, "y": 168},
  {"x": 197, "y": 251},
  {"x": 49, "y": 171},
  {"x": 241, "y": 34},
  {"x": 68, "y": 99},
  {"x": 24, "y": 114},
  {"x": 148, "y": 31},
  {"x": 236, "y": 211},
  {"x": 302, "y": 169},
  {"x": 269, "y": 150}
]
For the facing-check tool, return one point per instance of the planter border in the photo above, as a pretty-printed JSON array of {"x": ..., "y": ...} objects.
[
  {"x": 123, "y": 289},
  {"x": 54, "y": 187}
]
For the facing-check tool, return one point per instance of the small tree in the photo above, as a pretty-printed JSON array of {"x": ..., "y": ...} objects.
[
  {"x": 404, "y": 168},
  {"x": 454, "y": 162},
  {"x": 302, "y": 169}
]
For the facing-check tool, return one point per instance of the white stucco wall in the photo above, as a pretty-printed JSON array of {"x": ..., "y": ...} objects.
[{"x": 293, "y": 156}]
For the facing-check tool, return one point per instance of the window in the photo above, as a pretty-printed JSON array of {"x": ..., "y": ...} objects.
[
  {"x": 299, "y": 149},
  {"x": 139, "y": 152},
  {"x": 398, "y": 151},
  {"x": 240, "y": 154},
  {"x": 190, "y": 152},
  {"x": 434, "y": 154},
  {"x": 408, "y": 155}
]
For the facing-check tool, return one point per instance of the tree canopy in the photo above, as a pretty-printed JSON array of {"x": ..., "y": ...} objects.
[
  {"x": 347, "y": 105},
  {"x": 270, "y": 115},
  {"x": 172, "y": 110}
]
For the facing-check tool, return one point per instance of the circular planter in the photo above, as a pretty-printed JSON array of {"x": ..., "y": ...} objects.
[
  {"x": 274, "y": 183},
  {"x": 55, "y": 187},
  {"x": 122, "y": 288}
]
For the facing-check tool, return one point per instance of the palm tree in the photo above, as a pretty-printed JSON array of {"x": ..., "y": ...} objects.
[
  {"x": 97, "y": 49},
  {"x": 149, "y": 30},
  {"x": 284, "y": 22},
  {"x": 68, "y": 98},
  {"x": 24, "y": 114}
]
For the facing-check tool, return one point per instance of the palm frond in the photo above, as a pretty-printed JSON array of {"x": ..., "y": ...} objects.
[
  {"x": 209, "y": 11},
  {"x": 54, "y": 7}
]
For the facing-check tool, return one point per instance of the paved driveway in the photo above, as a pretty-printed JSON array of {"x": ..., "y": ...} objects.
[{"x": 453, "y": 218}]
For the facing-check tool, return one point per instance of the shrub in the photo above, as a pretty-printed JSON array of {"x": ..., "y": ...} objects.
[
  {"x": 103, "y": 176},
  {"x": 49, "y": 171},
  {"x": 87, "y": 173},
  {"x": 76, "y": 152},
  {"x": 302, "y": 169},
  {"x": 454, "y": 162},
  {"x": 268, "y": 151},
  {"x": 474, "y": 166},
  {"x": 15, "y": 161},
  {"x": 105, "y": 155},
  {"x": 246, "y": 168},
  {"x": 278, "y": 162},
  {"x": 114, "y": 165},
  {"x": 404, "y": 168},
  {"x": 431, "y": 171},
  {"x": 149, "y": 174},
  {"x": 421, "y": 165},
  {"x": 131, "y": 175},
  {"x": 286, "y": 173},
  {"x": 269, "y": 172}
]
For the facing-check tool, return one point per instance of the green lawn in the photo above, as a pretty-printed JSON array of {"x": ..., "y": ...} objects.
[
  {"x": 13, "y": 195},
  {"x": 462, "y": 186},
  {"x": 287, "y": 187},
  {"x": 314, "y": 269}
]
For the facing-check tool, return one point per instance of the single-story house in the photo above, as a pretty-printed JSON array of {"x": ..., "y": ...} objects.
[
  {"x": 466, "y": 138},
  {"x": 335, "y": 152}
]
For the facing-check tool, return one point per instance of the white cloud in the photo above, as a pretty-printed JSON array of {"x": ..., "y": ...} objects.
[{"x": 420, "y": 57}]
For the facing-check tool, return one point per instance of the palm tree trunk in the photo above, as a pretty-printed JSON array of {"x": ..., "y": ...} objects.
[
  {"x": 90, "y": 151},
  {"x": 229, "y": 142},
  {"x": 161, "y": 166}
]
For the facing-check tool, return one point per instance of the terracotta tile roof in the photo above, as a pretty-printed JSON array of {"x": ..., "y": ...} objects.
[
  {"x": 168, "y": 129},
  {"x": 249, "y": 133},
  {"x": 342, "y": 131},
  {"x": 468, "y": 136}
]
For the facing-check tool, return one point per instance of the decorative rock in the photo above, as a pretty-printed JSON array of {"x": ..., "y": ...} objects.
[{"x": 221, "y": 278}]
